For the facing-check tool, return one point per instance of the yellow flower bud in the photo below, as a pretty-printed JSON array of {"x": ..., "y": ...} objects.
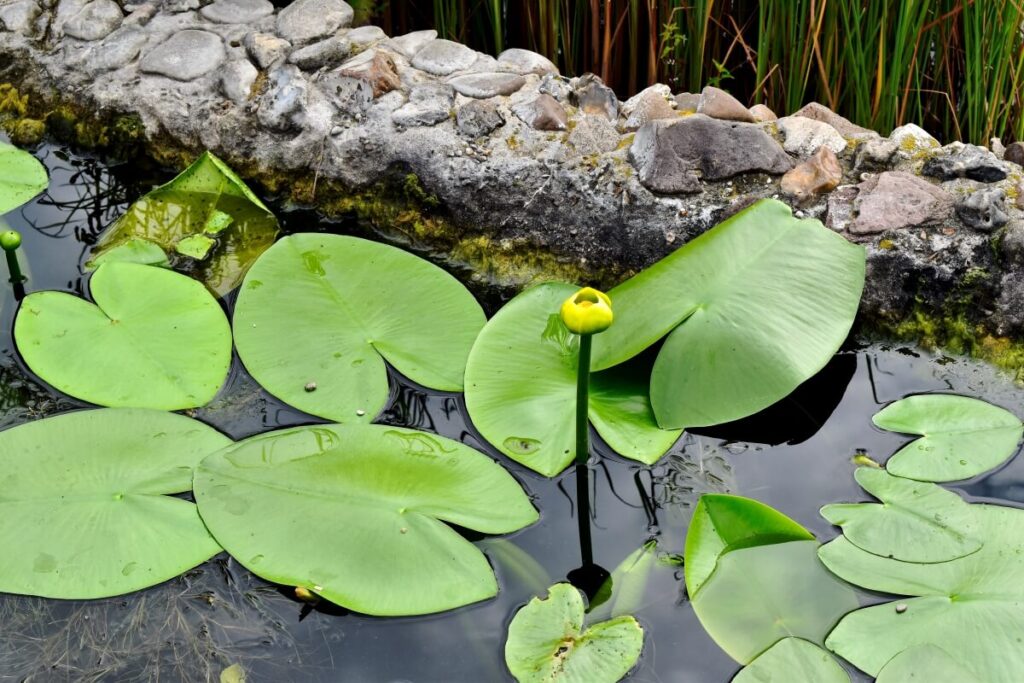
[{"x": 588, "y": 311}]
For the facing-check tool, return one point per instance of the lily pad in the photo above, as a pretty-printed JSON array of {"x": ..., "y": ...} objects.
[
  {"x": 329, "y": 310},
  {"x": 793, "y": 659},
  {"x": 547, "y": 644},
  {"x": 970, "y": 607},
  {"x": 85, "y": 504},
  {"x": 915, "y": 522},
  {"x": 355, "y": 514},
  {"x": 740, "y": 335},
  {"x": 961, "y": 437},
  {"x": 22, "y": 177},
  {"x": 624, "y": 591},
  {"x": 521, "y": 389},
  {"x": 153, "y": 339},
  {"x": 133, "y": 251},
  {"x": 207, "y": 198},
  {"x": 924, "y": 664}
]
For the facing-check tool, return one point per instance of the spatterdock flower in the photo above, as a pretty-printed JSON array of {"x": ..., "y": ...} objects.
[{"x": 588, "y": 311}]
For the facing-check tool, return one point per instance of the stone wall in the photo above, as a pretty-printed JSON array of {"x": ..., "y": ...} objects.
[{"x": 515, "y": 169}]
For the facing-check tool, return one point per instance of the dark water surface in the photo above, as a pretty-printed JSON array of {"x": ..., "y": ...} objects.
[{"x": 796, "y": 457}]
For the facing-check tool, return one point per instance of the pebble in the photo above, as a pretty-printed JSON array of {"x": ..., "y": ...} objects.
[{"x": 310, "y": 386}]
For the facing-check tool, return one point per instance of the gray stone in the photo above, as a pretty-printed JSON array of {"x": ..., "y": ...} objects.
[
  {"x": 236, "y": 80},
  {"x": 520, "y": 61},
  {"x": 185, "y": 56},
  {"x": 593, "y": 135},
  {"x": 19, "y": 17},
  {"x": 141, "y": 15},
  {"x": 875, "y": 154},
  {"x": 443, "y": 57},
  {"x": 650, "y": 104},
  {"x": 687, "y": 102},
  {"x": 485, "y": 85},
  {"x": 557, "y": 86},
  {"x": 1011, "y": 243},
  {"x": 761, "y": 113},
  {"x": 1014, "y": 153},
  {"x": 237, "y": 11},
  {"x": 846, "y": 128},
  {"x": 965, "y": 161},
  {"x": 366, "y": 36},
  {"x": 912, "y": 139},
  {"x": 477, "y": 118},
  {"x": 594, "y": 98},
  {"x": 119, "y": 48},
  {"x": 669, "y": 155},
  {"x": 329, "y": 52},
  {"x": 718, "y": 104},
  {"x": 265, "y": 48},
  {"x": 96, "y": 20},
  {"x": 839, "y": 215},
  {"x": 804, "y": 136},
  {"x": 410, "y": 44},
  {"x": 895, "y": 200},
  {"x": 350, "y": 95},
  {"x": 997, "y": 147},
  {"x": 428, "y": 105},
  {"x": 282, "y": 106},
  {"x": 984, "y": 209},
  {"x": 304, "y": 21},
  {"x": 543, "y": 112}
]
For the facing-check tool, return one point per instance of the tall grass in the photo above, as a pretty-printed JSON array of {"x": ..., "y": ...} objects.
[{"x": 955, "y": 67}]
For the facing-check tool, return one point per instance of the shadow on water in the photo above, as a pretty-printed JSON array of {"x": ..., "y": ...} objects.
[{"x": 795, "y": 456}]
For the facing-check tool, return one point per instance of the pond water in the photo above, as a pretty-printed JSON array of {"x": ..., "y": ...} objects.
[{"x": 796, "y": 457}]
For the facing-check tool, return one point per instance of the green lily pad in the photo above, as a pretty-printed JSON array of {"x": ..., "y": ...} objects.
[
  {"x": 793, "y": 659},
  {"x": 521, "y": 389},
  {"x": 924, "y": 664},
  {"x": 752, "y": 309},
  {"x": 85, "y": 510},
  {"x": 355, "y": 514},
  {"x": 329, "y": 310},
  {"x": 153, "y": 339},
  {"x": 207, "y": 198},
  {"x": 547, "y": 644},
  {"x": 623, "y": 592},
  {"x": 916, "y": 521},
  {"x": 132, "y": 251},
  {"x": 22, "y": 177},
  {"x": 961, "y": 437},
  {"x": 970, "y": 607},
  {"x": 195, "y": 246}
]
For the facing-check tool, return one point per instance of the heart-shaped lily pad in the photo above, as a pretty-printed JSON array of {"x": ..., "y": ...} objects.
[
  {"x": 84, "y": 504},
  {"x": 326, "y": 311},
  {"x": 22, "y": 177},
  {"x": 793, "y": 659},
  {"x": 354, "y": 513},
  {"x": 153, "y": 339},
  {"x": 924, "y": 664},
  {"x": 547, "y": 644}
]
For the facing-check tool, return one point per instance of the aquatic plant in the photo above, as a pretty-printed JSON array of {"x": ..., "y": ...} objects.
[{"x": 22, "y": 177}]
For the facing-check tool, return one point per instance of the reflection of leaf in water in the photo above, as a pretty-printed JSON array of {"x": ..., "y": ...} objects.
[{"x": 690, "y": 470}]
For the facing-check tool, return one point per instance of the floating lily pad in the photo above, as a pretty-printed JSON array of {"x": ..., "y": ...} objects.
[
  {"x": 547, "y": 644},
  {"x": 521, "y": 389},
  {"x": 133, "y": 251},
  {"x": 22, "y": 177},
  {"x": 791, "y": 660},
  {"x": 915, "y": 522},
  {"x": 752, "y": 309},
  {"x": 153, "y": 339},
  {"x": 330, "y": 310},
  {"x": 969, "y": 607},
  {"x": 207, "y": 198},
  {"x": 961, "y": 437},
  {"x": 625, "y": 590},
  {"x": 924, "y": 664},
  {"x": 355, "y": 514},
  {"x": 85, "y": 510}
]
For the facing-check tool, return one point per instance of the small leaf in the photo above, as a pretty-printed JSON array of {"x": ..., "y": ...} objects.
[
  {"x": 924, "y": 664},
  {"x": 793, "y": 660},
  {"x": 233, "y": 674},
  {"x": 195, "y": 246},
  {"x": 546, "y": 643},
  {"x": 22, "y": 177}
]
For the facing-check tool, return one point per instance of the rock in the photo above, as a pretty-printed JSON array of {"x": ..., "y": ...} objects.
[
  {"x": 804, "y": 136},
  {"x": 329, "y": 52},
  {"x": 895, "y": 200},
  {"x": 282, "y": 106},
  {"x": 525, "y": 62},
  {"x": 668, "y": 155},
  {"x": 485, "y": 85},
  {"x": 718, "y": 104},
  {"x": 140, "y": 16},
  {"x": 477, "y": 118},
  {"x": 96, "y": 20},
  {"x": 595, "y": 98},
  {"x": 543, "y": 112},
  {"x": 410, "y": 44},
  {"x": 429, "y": 104},
  {"x": 236, "y": 80},
  {"x": 984, "y": 209},
  {"x": 911, "y": 139},
  {"x": 1015, "y": 153},
  {"x": 687, "y": 102},
  {"x": 185, "y": 56},
  {"x": 119, "y": 48},
  {"x": 19, "y": 17},
  {"x": 846, "y": 128},
  {"x": 997, "y": 147},
  {"x": 265, "y": 48},
  {"x": 819, "y": 174},
  {"x": 366, "y": 36},
  {"x": 840, "y": 208},
  {"x": 376, "y": 68},
  {"x": 761, "y": 113},
  {"x": 556, "y": 86},
  {"x": 443, "y": 57},
  {"x": 237, "y": 11},
  {"x": 593, "y": 135},
  {"x": 304, "y": 21},
  {"x": 650, "y": 104},
  {"x": 1011, "y": 244},
  {"x": 875, "y": 154},
  {"x": 965, "y": 161}
]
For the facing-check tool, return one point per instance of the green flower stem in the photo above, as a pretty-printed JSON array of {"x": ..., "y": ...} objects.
[
  {"x": 10, "y": 241},
  {"x": 583, "y": 402}
]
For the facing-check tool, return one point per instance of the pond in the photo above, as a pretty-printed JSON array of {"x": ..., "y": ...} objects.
[{"x": 795, "y": 456}]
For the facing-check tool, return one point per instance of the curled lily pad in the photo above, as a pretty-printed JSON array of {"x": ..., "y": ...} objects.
[
  {"x": 793, "y": 659},
  {"x": 85, "y": 510},
  {"x": 153, "y": 339},
  {"x": 356, "y": 514},
  {"x": 521, "y": 389},
  {"x": 132, "y": 251},
  {"x": 740, "y": 335},
  {"x": 961, "y": 437},
  {"x": 915, "y": 522},
  {"x": 546, "y": 642},
  {"x": 22, "y": 177}
]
